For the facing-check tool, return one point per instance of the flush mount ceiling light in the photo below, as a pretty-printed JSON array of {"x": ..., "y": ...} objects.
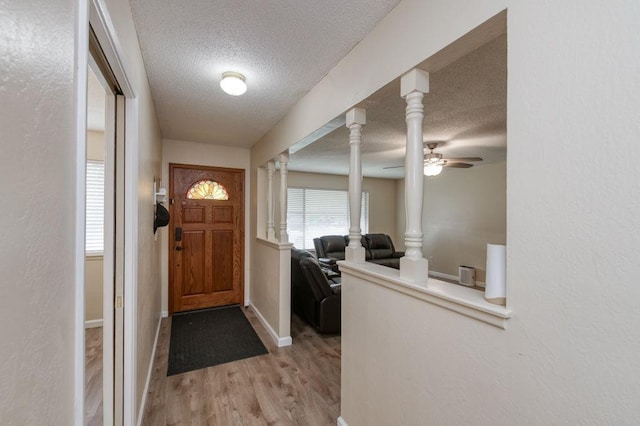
[{"x": 233, "y": 83}]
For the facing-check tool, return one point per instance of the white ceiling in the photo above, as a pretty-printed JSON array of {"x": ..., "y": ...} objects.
[
  {"x": 465, "y": 108},
  {"x": 283, "y": 48}
]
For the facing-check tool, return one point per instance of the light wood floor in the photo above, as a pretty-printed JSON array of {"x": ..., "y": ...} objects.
[
  {"x": 93, "y": 377},
  {"x": 294, "y": 385}
]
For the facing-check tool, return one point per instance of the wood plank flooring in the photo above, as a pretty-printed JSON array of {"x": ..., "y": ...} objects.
[
  {"x": 93, "y": 377},
  {"x": 294, "y": 385}
]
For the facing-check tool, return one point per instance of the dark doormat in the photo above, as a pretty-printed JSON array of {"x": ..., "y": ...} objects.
[{"x": 209, "y": 337}]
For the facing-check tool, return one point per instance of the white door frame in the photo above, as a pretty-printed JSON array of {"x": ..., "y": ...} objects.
[
  {"x": 95, "y": 12},
  {"x": 108, "y": 268}
]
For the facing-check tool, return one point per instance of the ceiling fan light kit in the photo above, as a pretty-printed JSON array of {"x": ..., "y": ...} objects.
[
  {"x": 233, "y": 83},
  {"x": 434, "y": 162},
  {"x": 432, "y": 169}
]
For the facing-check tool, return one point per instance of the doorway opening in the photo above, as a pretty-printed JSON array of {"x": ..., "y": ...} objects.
[
  {"x": 94, "y": 250},
  {"x": 206, "y": 237}
]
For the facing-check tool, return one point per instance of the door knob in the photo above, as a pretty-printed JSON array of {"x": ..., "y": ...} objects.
[{"x": 179, "y": 248}]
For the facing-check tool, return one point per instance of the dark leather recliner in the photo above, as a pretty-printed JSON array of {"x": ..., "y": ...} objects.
[
  {"x": 378, "y": 248},
  {"x": 330, "y": 249},
  {"x": 313, "y": 297}
]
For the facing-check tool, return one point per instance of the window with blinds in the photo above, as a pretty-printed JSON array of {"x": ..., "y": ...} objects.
[
  {"x": 312, "y": 213},
  {"x": 94, "y": 222}
]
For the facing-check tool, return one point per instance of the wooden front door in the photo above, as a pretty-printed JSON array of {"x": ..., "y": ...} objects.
[{"x": 206, "y": 242}]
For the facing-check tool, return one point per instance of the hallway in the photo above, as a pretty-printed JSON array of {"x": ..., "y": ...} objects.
[{"x": 293, "y": 385}]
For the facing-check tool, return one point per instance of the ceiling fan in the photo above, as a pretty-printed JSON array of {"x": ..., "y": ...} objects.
[{"x": 434, "y": 162}]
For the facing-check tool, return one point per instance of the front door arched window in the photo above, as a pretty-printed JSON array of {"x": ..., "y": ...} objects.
[{"x": 207, "y": 190}]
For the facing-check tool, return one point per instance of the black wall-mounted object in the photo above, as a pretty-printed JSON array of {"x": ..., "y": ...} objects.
[{"x": 162, "y": 217}]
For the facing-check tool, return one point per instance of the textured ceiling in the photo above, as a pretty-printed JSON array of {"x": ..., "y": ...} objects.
[
  {"x": 465, "y": 108},
  {"x": 283, "y": 48}
]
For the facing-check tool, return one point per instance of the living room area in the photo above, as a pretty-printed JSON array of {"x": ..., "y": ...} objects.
[
  {"x": 464, "y": 206},
  {"x": 462, "y": 215}
]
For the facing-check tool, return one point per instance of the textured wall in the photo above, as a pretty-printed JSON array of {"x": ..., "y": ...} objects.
[{"x": 37, "y": 165}]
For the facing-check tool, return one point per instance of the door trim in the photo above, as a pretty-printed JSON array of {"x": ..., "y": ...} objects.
[
  {"x": 109, "y": 254},
  {"x": 80, "y": 81}
]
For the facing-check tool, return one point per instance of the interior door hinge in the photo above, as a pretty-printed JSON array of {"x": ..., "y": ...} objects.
[
  {"x": 119, "y": 302},
  {"x": 170, "y": 200}
]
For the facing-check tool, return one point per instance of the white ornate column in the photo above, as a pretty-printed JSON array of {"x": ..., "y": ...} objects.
[
  {"x": 413, "y": 86},
  {"x": 271, "y": 228},
  {"x": 355, "y": 119},
  {"x": 284, "y": 160}
]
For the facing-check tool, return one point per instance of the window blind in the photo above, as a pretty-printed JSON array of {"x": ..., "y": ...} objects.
[
  {"x": 312, "y": 213},
  {"x": 94, "y": 222}
]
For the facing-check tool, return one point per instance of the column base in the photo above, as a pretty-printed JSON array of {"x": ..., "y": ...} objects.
[
  {"x": 354, "y": 254},
  {"x": 414, "y": 270}
]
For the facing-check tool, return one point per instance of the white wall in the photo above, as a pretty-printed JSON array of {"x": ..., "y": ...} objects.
[
  {"x": 37, "y": 257},
  {"x": 93, "y": 270},
  {"x": 463, "y": 210},
  {"x": 93, "y": 266},
  {"x": 569, "y": 354},
  {"x": 271, "y": 289},
  {"x": 95, "y": 145},
  {"x": 382, "y": 213},
  {"x": 184, "y": 152}
]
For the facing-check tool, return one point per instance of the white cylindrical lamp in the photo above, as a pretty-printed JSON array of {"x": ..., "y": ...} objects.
[{"x": 496, "y": 281}]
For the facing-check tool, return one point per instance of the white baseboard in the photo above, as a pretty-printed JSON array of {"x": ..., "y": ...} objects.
[
  {"x": 452, "y": 277},
  {"x": 93, "y": 323},
  {"x": 285, "y": 341},
  {"x": 445, "y": 276},
  {"x": 342, "y": 422},
  {"x": 150, "y": 370},
  {"x": 280, "y": 341},
  {"x": 164, "y": 314}
]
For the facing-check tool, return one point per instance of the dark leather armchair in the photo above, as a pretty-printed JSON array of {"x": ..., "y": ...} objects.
[
  {"x": 313, "y": 297},
  {"x": 380, "y": 250},
  {"x": 330, "y": 249}
]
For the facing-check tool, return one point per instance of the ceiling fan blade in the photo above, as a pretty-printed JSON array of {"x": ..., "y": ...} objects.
[
  {"x": 458, "y": 165},
  {"x": 463, "y": 159},
  {"x": 391, "y": 167}
]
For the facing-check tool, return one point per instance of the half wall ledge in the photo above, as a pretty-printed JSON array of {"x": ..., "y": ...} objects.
[{"x": 463, "y": 300}]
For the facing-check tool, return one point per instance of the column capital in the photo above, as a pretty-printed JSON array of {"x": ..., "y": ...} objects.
[
  {"x": 356, "y": 116},
  {"x": 283, "y": 158},
  {"x": 271, "y": 166},
  {"x": 414, "y": 81}
]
